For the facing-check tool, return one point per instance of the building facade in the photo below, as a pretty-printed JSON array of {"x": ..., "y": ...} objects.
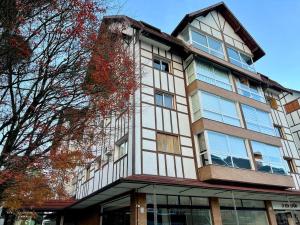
[{"x": 209, "y": 140}]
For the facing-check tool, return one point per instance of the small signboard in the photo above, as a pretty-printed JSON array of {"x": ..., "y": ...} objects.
[{"x": 286, "y": 205}]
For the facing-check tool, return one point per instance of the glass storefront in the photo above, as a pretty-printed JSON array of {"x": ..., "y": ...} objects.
[
  {"x": 176, "y": 210},
  {"x": 243, "y": 212}
]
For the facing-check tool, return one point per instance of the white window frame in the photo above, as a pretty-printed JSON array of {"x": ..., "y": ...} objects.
[
  {"x": 214, "y": 80},
  {"x": 219, "y": 105},
  {"x": 256, "y": 123},
  {"x": 243, "y": 87},
  {"x": 250, "y": 68},
  {"x": 270, "y": 163},
  {"x": 209, "y": 149},
  {"x": 210, "y": 50}
]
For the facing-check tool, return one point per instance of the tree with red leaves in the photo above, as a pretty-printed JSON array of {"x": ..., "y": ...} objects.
[{"x": 59, "y": 74}]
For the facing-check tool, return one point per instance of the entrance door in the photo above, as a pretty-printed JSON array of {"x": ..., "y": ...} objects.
[{"x": 286, "y": 218}]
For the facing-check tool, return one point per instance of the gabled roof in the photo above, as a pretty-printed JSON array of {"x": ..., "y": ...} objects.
[{"x": 233, "y": 22}]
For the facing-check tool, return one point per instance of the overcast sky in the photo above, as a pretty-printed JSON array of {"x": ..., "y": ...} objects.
[{"x": 274, "y": 24}]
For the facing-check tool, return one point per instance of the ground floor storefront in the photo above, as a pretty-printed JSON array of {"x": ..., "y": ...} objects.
[{"x": 180, "y": 203}]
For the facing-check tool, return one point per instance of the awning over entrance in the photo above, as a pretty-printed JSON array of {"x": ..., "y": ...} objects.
[{"x": 184, "y": 187}]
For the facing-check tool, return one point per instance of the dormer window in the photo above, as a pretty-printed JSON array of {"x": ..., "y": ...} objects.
[
  {"x": 207, "y": 44},
  {"x": 240, "y": 59}
]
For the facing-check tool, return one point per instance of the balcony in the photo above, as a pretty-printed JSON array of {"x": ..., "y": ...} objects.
[{"x": 215, "y": 173}]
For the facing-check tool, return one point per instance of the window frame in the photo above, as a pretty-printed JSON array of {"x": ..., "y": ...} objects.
[
  {"x": 161, "y": 61},
  {"x": 215, "y": 80},
  {"x": 280, "y": 131},
  {"x": 268, "y": 162},
  {"x": 246, "y": 88},
  {"x": 245, "y": 66},
  {"x": 163, "y": 94},
  {"x": 209, "y": 49},
  {"x": 117, "y": 155},
  {"x": 257, "y": 124},
  {"x": 229, "y": 147},
  {"x": 219, "y": 98}
]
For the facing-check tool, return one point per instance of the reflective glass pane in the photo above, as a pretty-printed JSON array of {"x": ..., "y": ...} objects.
[
  {"x": 204, "y": 69},
  {"x": 278, "y": 169},
  {"x": 221, "y": 75},
  {"x": 214, "y": 44},
  {"x": 228, "y": 108},
  {"x": 210, "y": 102},
  {"x": 201, "y": 217},
  {"x": 233, "y": 54},
  {"x": 246, "y": 59},
  {"x": 212, "y": 115},
  {"x": 222, "y": 160},
  {"x": 199, "y": 38},
  {"x": 165, "y": 66},
  {"x": 237, "y": 147},
  {"x": 218, "y": 143},
  {"x": 231, "y": 121},
  {"x": 263, "y": 167},
  {"x": 159, "y": 99},
  {"x": 156, "y": 64},
  {"x": 168, "y": 101}
]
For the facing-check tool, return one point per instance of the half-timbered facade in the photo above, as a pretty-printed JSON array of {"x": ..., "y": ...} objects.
[{"x": 207, "y": 140}]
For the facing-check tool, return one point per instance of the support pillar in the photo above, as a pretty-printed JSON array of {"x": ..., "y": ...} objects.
[
  {"x": 215, "y": 211},
  {"x": 138, "y": 208},
  {"x": 270, "y": 213}
]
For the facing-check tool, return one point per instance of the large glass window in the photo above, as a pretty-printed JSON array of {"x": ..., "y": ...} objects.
[
  {"x": 207, "y": 44},
  {"x": 258, "y": 120},
  {"x": 240, "y": 59},
  {"x": 227, "y": 150},
  {"x": 268, "y": 158},
  {"x": 244, "y": 217},
  {"x": 213, "y": 75},
  {"x": 247, "y": 212},
  {"x": 249, "y": 90},
  {"x": 219, "y": 109}
]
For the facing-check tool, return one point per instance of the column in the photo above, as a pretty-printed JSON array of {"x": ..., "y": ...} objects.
[
  {"x": 138, "y": 208},
  {"x": 215, "y": 211},
  {"x": 270, "y": 213}
]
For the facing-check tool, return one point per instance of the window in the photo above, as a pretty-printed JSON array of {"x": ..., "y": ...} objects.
[
  {"x": 163, "y": 99},
  {"x": 292, "y": 166},
  {"x": 271, "y": 160},
  {"x": 161, "y": 65},
  {"x": 87, "y": 172},
  {"x": 207, "y": 44},
  {"x": 219, "y": 109},
  {"x": 227, "y": 150},
  {"x": 258, "y": 120},
  {"x": 121, "y": 150},
  {"x": 244, "y": 217},
  {"x": 240, "y": 59},
  {"x": 168, "y": 143},
  {"x": 279, "y": 131},
  {"x": 272, "y": 102},
  {"x": 249, "y": 90},
  {"x": 292, "y": 106},
  {"x": 213, "y": 75}
]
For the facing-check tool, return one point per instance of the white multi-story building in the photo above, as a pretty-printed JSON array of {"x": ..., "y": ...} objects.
[{"x": 208, "y": 140}]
